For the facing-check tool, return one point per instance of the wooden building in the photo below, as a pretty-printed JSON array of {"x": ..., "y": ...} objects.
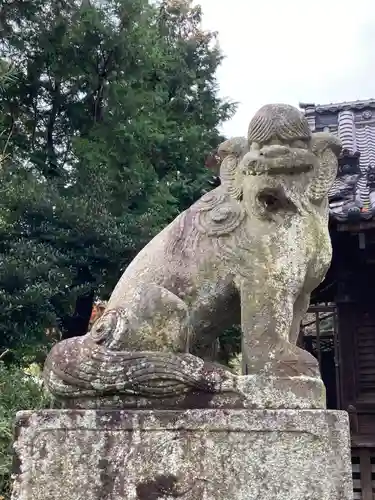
[{"x": 340, "y": 329}]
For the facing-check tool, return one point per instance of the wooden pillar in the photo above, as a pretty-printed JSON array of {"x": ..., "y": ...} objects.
[{"x": 366, "y": 473}]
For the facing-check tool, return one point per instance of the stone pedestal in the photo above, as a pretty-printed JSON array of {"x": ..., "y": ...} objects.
[{"x": 191, "y": 454}]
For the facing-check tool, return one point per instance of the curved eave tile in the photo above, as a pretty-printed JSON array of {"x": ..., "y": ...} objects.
[{"x": 341, "y": 106}]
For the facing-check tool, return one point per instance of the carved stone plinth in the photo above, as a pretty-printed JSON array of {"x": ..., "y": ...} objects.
[
  {"x": 238, "y": 392},
  {"x": 84, "y": 375},
  {"x": 191, "y": 454}
]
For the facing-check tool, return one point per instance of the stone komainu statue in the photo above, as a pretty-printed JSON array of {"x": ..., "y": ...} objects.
[{"x": 251, "y": 251}]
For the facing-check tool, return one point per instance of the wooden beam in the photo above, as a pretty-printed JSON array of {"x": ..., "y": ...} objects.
[
  {"x": 324, "y": 308},
  {"x": 362, "y": 440},
  {"x": 355, "y": 228}
]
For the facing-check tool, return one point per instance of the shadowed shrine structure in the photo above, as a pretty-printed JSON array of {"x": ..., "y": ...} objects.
[{"x": 340, "y": 327}]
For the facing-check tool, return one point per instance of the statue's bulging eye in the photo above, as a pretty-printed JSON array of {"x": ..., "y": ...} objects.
[
  {"x": 299, "y": 144},
  {"x": 274, "y": 141}
]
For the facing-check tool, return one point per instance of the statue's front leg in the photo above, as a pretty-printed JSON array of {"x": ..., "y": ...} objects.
[{"x": 267, "y": 314}]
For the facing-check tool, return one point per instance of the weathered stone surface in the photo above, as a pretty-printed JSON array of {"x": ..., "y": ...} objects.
[
  {"x": 251, "y": 251},
  {"x": 250, "y": 391},
  {"x": 193, "y": 455}
]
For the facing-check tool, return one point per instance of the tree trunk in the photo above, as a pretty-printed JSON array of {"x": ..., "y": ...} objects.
[{"x": 77, "y": 324}]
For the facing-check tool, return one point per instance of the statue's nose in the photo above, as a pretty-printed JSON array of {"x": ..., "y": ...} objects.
[{"x": 274, "y": 151}]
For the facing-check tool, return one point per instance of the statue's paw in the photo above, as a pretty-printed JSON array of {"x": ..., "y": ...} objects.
[{"x": 294, "y": 362}]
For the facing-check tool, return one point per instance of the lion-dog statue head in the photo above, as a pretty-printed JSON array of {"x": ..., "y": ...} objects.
[{"x": 280, "y": 147}]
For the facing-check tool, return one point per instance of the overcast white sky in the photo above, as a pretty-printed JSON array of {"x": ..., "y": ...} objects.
[{"x": 292, "y": 50}]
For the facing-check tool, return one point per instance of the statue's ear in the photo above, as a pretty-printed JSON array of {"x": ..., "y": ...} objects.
[
  {"x": 231, "y": 152},
  {"x": 327, "y": 147},
  {"x": 323, "y": 140}
]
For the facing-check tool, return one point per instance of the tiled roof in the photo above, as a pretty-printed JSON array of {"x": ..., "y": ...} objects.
[
  {"x": 335, "y": 107},
  {"x": 352, "y": 197}
]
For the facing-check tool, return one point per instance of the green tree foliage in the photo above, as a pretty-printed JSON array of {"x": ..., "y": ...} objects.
[
  {"x": 109, "y": 118},
  {"x": 19, "y": 390}
]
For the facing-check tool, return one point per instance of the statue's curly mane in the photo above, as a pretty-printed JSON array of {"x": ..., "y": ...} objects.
[{"x": 216, "y": 216}]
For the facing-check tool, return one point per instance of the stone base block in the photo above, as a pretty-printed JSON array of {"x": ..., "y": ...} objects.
[{"x": 191, "y": 455}]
